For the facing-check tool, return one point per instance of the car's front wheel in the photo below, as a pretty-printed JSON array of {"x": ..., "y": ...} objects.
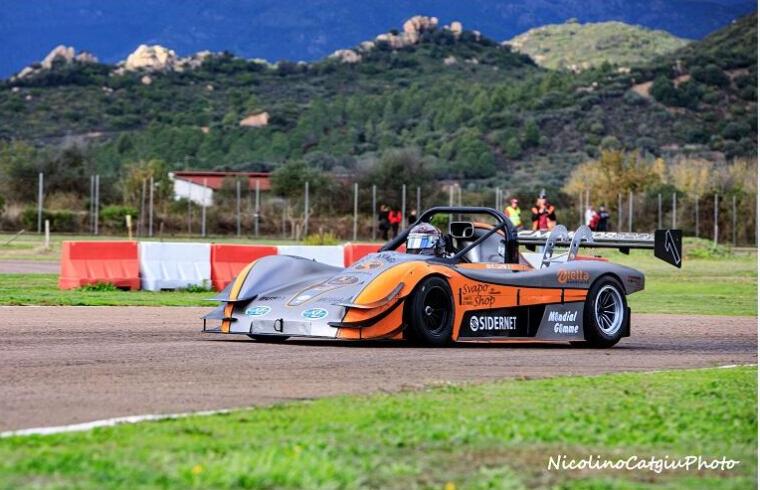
[
  {"x": 605, "y": 313},
  {"x": 430, "y": 312}
]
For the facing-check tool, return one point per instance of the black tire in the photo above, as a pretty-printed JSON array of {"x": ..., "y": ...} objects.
[
  {"x": 430, "y": 312},
  {"x": 269, "y": 339},
  {"x": 605, "y": 314}
]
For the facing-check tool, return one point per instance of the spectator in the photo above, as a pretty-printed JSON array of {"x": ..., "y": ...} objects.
[
  {"x": 513, "y": 213},
  {"x": 394, "y": 218},
  {"x": 383, "y": 223},
  {"x": 589, "y": 215},
  {"x": 594, "y": 221},
  {"x": 543, "y": 214},
  {"x": 412, "y": 217},
  {"x": 604, "y": 217}
]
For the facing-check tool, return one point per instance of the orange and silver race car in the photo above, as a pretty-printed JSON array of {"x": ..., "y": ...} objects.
[{"x": 480, "y": 287}]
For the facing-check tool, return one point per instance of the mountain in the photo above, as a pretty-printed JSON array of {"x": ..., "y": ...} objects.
[
  {"x": 478, "y": 110},
  {"x": 308, "y": 29},
  {"x": 575, "y": 46}
]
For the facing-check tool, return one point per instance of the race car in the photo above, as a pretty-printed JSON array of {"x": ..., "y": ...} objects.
[{"x": 470, "y": 284}]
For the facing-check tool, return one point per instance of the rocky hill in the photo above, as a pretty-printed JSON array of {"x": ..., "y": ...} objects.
[
  {"x": 575, "y": 46},
  {"x": 476, "y": 108}
]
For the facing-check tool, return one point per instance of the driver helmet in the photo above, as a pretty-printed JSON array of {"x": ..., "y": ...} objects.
[{"x": 425, "y": 239}]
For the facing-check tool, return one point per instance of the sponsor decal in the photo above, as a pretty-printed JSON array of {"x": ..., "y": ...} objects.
[
  {"x": 314, "y": 313},
  {"x": 565, "y": 322},
  {"x": 489, "y": 323},
  {"x": 475, "y": 294},
  {"x": 568, "y": 277},
  {"x": 343, "y": 280},
  {"x": 496, "y": 322},
  {"x": 259, "y": 310},
  {"x": 368, "y": 264},
  {"x": 269, "y": 298}
]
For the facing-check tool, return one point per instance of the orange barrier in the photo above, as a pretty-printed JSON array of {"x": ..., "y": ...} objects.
[
  {"x": 84, "y": 263},
  {"x": 227, "y": 260},
  {"x": 352, "y": 252}
]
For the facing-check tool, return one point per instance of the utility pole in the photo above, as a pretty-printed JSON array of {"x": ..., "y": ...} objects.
[
  {"x": 419, "y": 201},
  {"x": 675, "y": 209},
  {"x": 715, "y": 220},
  {"x": 630, "y": 211}
]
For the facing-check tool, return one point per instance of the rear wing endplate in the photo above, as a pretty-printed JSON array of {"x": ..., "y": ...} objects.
[{"x": 665, "y": 243}]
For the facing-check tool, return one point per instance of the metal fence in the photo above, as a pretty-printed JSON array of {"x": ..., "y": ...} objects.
[{"x": 723, "y": 218}]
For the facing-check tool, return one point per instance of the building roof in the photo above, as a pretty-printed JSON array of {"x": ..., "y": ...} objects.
[{"x": 215, "y": 180}]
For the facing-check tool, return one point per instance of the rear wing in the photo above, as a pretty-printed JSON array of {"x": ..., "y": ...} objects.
[{"x": 665, "y": 243}]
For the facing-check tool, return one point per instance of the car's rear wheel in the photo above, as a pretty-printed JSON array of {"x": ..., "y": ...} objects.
[
  {"x": 271, "y": 339},
  {"x": 430, "y": 312},
  {"x": 605, "y": 313}
]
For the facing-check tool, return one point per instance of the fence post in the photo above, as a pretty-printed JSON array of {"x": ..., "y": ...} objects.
[
  {"x": 581, "y": 211},
  {"x": 403, "y": 206},
  {"x": 696, "y": 217},
  {"x": 630, "y": 211},
  {"x": 190, "y": 209},
  {"x": 306, "y": 209},
  {"x": 97, "y": 202},
  {"x": 39, "y": 202},
  {"x": 496, "y": 198},
  {"x": 374, "y": 212},
  {"x": 356, "y": 208},
  {"x": 733, "y": 220},
  {"x": 141, "y": 221},
  {"x": 47, "y": 234},
  {"x": 620, "y": 213},
  {"x": 92, "y": 204},
  {"x": 203, "y": 208},
  {"x": 257, "y": 210},
  {"x": 659, "y": 210},
  {"x": 715, "y": 220},
  {"x": 150, "y": 209},
  {"x": 451, "y": 201},
  {"x": 675, "y": 209},
  {"x": 237, "y": 205}
]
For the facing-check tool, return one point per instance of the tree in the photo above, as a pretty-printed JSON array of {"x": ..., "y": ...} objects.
[
  {"x": 531, "y": 135},
  {"x": 615, "y": 172}
]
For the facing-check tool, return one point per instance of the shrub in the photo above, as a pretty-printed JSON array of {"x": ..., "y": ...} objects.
[
  {"x": 321, "y": 238},
  {"x": 114, "y": 217},
  {"x": 66, "y": 221}
]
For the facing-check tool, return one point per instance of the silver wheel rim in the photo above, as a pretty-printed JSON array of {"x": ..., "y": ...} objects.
[{"x": 608, "y": 309}]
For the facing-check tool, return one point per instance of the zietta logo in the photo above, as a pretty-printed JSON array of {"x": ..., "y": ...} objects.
[{"x": 565, "y": 276}]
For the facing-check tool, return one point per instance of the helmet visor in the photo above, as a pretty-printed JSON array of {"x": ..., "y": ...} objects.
[{"x": 417, "y": 241}]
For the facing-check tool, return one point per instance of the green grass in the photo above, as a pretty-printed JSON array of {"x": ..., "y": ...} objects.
[
  {"x": 493, "y": 435},
  {"x": 42, "y": 289},
  {"x": 30, "y": 246},
  {"x": 719, "y": 286}
]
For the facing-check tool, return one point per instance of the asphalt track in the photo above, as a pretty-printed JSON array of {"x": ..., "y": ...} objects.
[{"x": 67, "y": 365}]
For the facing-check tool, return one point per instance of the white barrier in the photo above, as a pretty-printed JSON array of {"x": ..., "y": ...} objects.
[
  {"x": 174, "y": 265},
  {"x": 327, "y": 254}
]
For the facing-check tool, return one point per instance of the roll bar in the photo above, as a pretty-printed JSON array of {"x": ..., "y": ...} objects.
[{"x": 511, "y": 255}]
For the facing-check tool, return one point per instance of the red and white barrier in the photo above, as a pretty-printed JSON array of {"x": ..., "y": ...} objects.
[{"x": 161, "y": 265}]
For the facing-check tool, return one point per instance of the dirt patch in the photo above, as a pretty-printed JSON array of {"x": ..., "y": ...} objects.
[{"x": 63, "y": 365}]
